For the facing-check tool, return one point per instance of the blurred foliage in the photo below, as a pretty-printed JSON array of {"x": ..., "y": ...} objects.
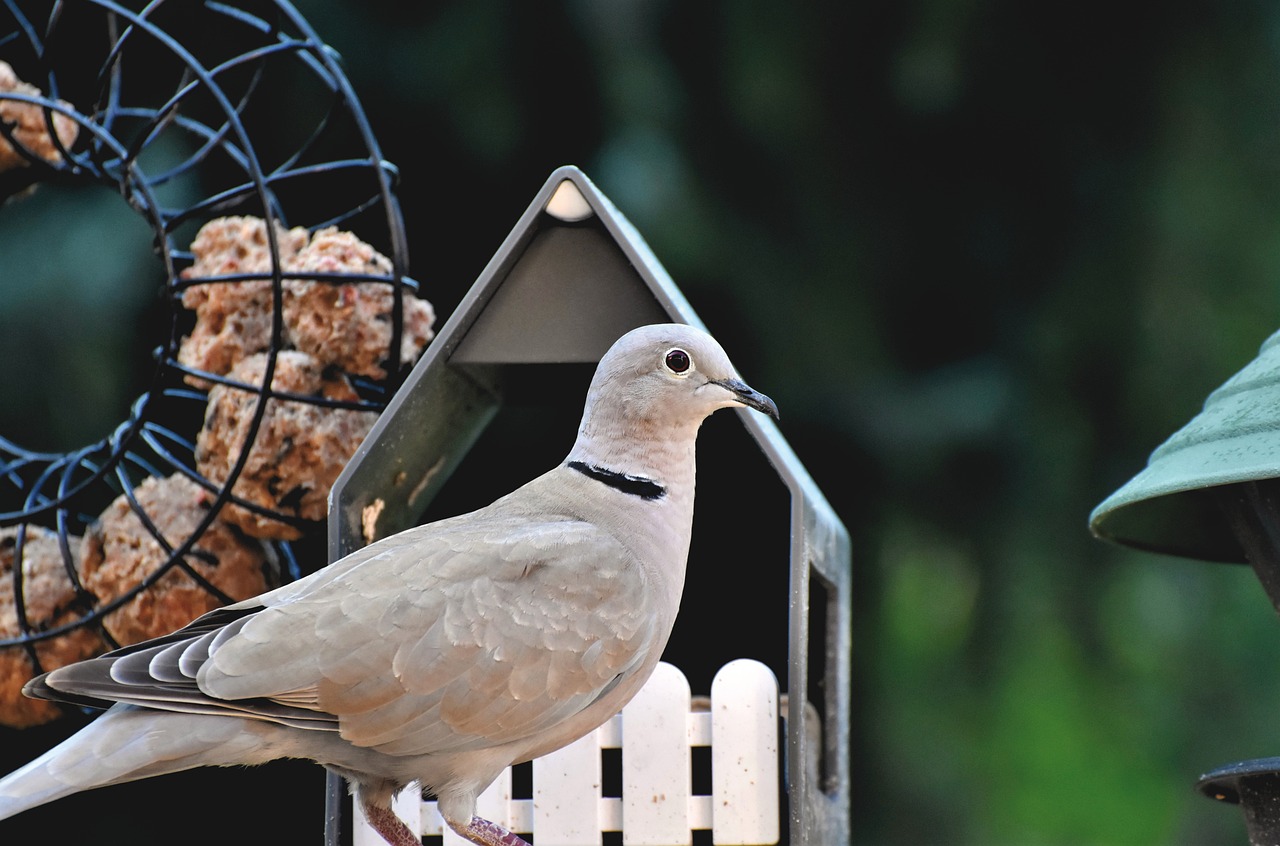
[{"x": 986, "y": 255}]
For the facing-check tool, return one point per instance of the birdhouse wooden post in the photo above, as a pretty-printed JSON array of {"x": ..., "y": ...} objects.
[{"x": 573, "y": 276}]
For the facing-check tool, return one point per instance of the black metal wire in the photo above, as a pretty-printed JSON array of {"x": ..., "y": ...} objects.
[{"x": 191, "y": 78}]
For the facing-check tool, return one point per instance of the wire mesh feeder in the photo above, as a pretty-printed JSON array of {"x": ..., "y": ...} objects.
[{"x": 230, "y": 128}]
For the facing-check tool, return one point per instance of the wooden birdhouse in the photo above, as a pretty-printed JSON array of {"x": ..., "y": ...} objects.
[{"x": 570, "y": 278}]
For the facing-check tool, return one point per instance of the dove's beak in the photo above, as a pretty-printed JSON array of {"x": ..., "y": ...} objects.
[{"x": 749, "y": 396}]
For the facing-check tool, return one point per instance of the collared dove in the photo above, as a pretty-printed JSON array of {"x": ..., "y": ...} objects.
[{"x": 444, "y": 653}]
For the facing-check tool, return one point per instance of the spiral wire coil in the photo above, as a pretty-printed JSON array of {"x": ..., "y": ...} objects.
[{"x": 176, "y": 107}]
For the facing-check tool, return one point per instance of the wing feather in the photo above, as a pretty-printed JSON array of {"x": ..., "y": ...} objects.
[{"x": 458, "y": 635}]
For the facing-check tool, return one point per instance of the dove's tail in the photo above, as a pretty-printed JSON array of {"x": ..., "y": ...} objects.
[{"x": 128, "y": 743}]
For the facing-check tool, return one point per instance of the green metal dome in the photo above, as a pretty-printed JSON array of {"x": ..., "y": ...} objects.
[{"x": 1175, "y": 505}]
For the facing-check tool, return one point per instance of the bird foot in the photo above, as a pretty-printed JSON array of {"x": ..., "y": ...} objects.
[
  {"x": 393, "y": 830},
  {"x": 485, "y": 833}
]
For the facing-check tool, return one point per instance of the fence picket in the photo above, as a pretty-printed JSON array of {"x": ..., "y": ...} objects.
[
  {"x": 656, "y": 762},
  {"x": 744, "y": 755},
  {"x": 566, "y": 786}
]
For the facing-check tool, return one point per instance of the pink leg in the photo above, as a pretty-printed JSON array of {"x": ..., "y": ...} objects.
[
  {"x": 484, "y": 833},
  {"x": 393, "y": 830}
]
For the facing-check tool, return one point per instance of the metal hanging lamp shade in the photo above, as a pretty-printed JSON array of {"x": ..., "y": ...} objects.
[
  {"x": 1212, "y": 492},
  {"x": 1209, "y": 488}
]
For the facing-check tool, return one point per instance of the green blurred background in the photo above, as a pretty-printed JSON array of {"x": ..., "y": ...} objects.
[{"x": 986, "y": 255}]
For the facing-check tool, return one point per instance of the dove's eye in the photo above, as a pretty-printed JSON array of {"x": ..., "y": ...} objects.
[{"x": 677, "y": 361}]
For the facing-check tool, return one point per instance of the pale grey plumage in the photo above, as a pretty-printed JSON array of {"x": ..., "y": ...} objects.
[{"x": 444, "y": 653}]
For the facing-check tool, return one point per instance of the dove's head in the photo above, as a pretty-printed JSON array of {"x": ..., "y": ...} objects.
[{"x": 666, "y": 377}]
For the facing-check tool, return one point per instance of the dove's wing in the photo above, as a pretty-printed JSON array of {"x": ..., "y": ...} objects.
[{"x": 461, "y": 634}]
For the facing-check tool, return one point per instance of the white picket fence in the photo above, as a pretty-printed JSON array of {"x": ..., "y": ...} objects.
[{"x": 656, "y": 733}]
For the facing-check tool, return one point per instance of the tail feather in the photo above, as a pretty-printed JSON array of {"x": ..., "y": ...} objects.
[{"x": 128, "y": 743}]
